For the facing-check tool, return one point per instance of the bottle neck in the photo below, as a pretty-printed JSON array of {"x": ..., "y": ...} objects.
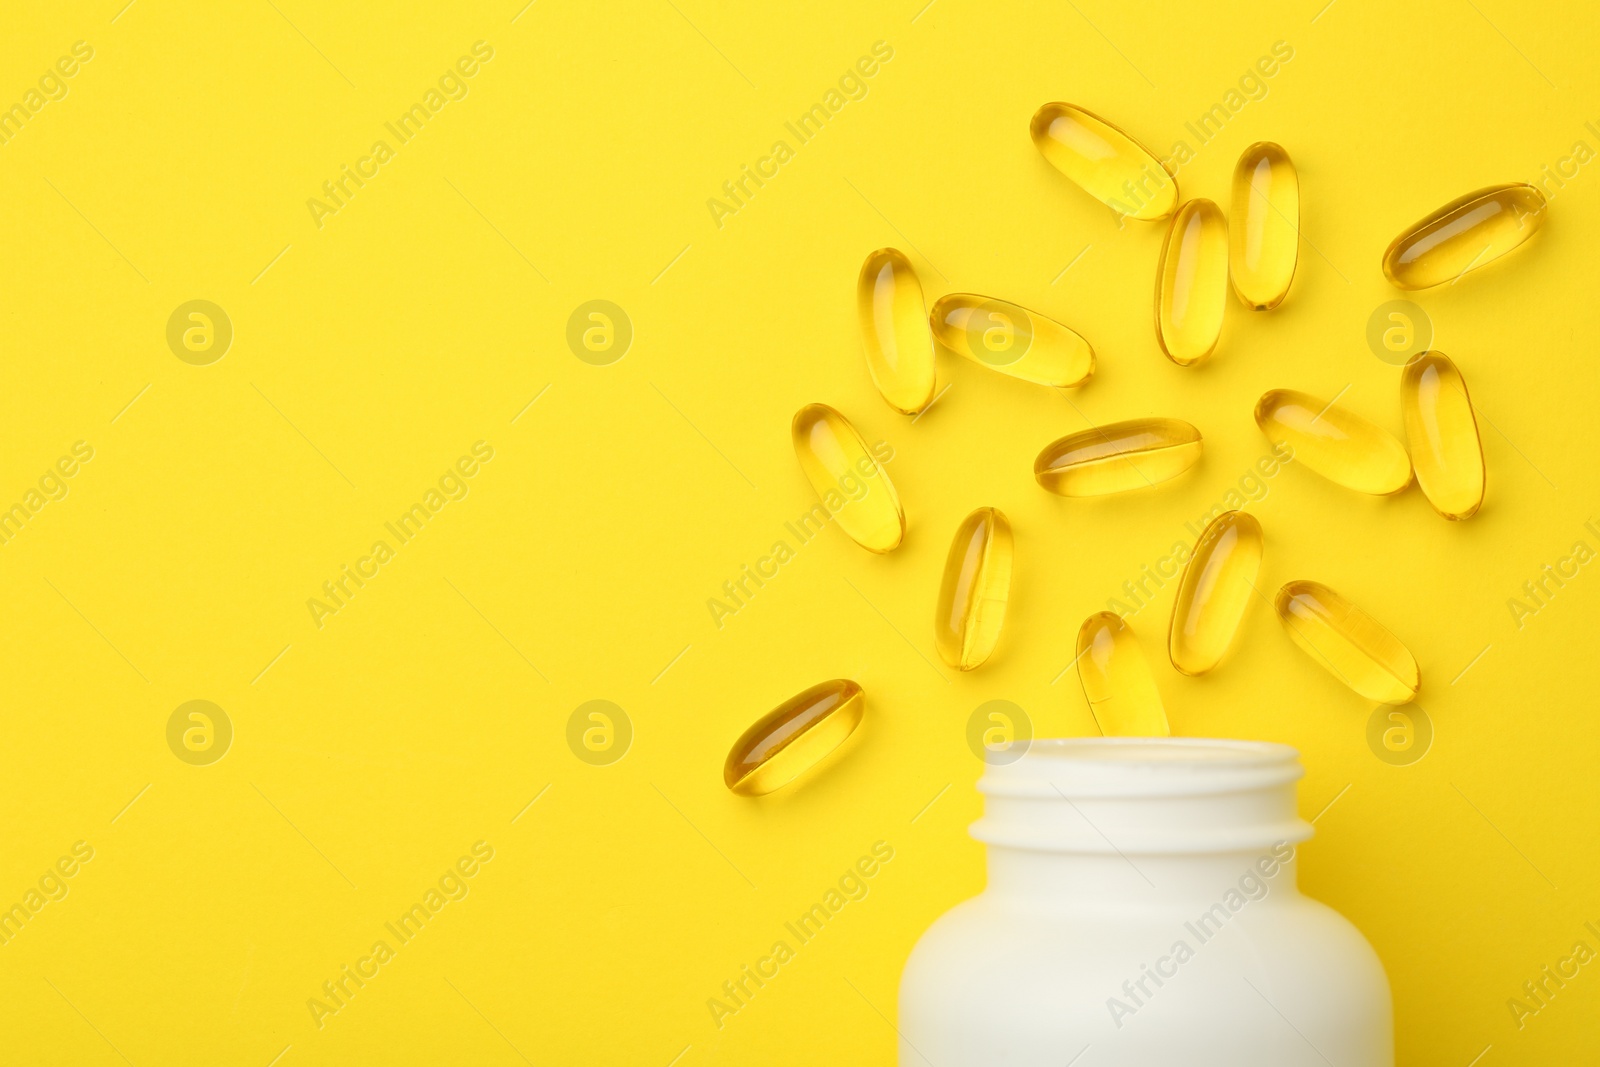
[{"x": 1233, "y": 878}]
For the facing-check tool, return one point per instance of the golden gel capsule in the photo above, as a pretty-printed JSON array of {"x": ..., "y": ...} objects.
[
  {"x": 1117, "y": 680},
  {"x": 1192, "y": 283},
  {"x": 793, "y": 737},
  {"x": 1340, "y": 446},
  {"x": 1117, "y": 456},
  {"x": 1218, "y": 585},
  {"x": 854, "y": 487},
  {"x": 1264, "y": 226},
  {"x": 1464, "y": 235},
  {"x": 1352, "y": 645},
  {"x": 976, "y": 587},
  {"x": 1111, "y": 166},
  {"x": 1012, "y": 340},
  {"x": 894, "y": 330},
  {"x": 1442, "y": 433}
]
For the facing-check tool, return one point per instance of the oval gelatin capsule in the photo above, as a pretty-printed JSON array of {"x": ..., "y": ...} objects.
[
  {"x": 1192, "y": 283},
  {"x": 894, "y": 330},
  {"x": 1111, "y": 166},
  {"x": 1337, "y": 444},
  {"x": 1117, "y": 457},
  {"x": 854, "y": 487},
  {"x": 1012, "y": 340},
  {"x": 1352, "y": 645},
  {"x": 1464, "y": 235},
  {"x": 1264, "y": 226},
  {"x": 975, "y": 589},
  {"x": 1117, "y": 681},
  {"x": 793, "y": 737},
  {"x": 1218, "y": 585},
  {"x": 1442, "y": 433}
]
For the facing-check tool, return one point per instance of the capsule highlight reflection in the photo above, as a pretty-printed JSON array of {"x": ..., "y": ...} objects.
[
  {"x": 1192, "y": 283},
  {"x": 1218, "y": 584},
  {"x": 1442, "y": 434},
  {"x": 1012, "y": 340},
  {"x": 894, "y": 330},
  {"x": 1264, "y": 226},
  {"x": 854, "y": 487},
  {"x": 1352, "y": 645},
  {"x": 1117, "y": 681},
  {"x": 1337, "y": 444},
  {"x": 1466, "y": 234},
  {"x": 793, "y": 737},
  {"x": 1117, "y": 457},
  {"x": 975, "y": 590},
  {"x": 1111, "y": 166}
]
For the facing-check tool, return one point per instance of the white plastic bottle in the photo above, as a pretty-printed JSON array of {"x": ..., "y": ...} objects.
[{"x": 1142, "y": 909}]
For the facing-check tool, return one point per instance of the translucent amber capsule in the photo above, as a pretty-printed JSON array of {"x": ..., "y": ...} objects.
[
  {"x": 1118, "y": 456},
  {"x": 1352, "y": 645},
  {"x": 1111, "y": 166},
  {"x": 1012, "y": 340},
  {"x": 853, "y": 485},
  {"x": 793, "y": 737},
  {"x": 1443, "y": 435},
  {"x": 1218, "y": 585},
  {"x": 1117, "y": 680},
  {"x": 1340, "y": 446},
  {"x": 1264, "y": 226},
  {"x": 976, "y": 587},
  {"x": 1192, "y": 283},
  {"x": 894, "y": 330},
  {"x": 1464, "y": 235}
]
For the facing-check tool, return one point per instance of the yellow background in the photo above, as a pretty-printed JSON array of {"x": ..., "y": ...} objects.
[{"x": 370, "y": 753}]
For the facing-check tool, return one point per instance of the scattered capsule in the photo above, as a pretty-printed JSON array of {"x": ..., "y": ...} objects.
[
  {"x": 894, "y": 330},
  {"x": 1118, "y": 456},
  {"x": 854, "y": 487},
  {"x": 1192, "y": 283},
  {"x": 1264, "y": 226},
  {"x": 1218, "y": 583},
  {"x": 1442, "y": 433},
  {"x": 1339, "y": 445},
  {"x": 1117, "y": 680},
  {"x": 1465, "y": 234},
  {"x": 976, "y": 587},
  {"x": 1352, "y": 645},
  {"x": 1111, "y": 166},
  {"x": 793, "y": 737},
  {"x": 1012, "y": 340}
]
